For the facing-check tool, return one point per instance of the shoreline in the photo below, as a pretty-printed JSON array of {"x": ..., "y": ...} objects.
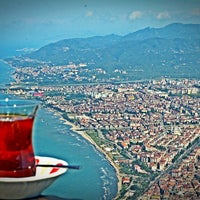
[
  {"x": 84, "y": 135},
  {"x": 74, "y": 128}
]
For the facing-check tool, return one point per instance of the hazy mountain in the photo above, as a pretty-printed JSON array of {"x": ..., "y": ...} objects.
[{"x": 159, "y": 49}]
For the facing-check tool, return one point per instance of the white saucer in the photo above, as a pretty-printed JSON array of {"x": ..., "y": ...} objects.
[{"x": 27, "y": 187}]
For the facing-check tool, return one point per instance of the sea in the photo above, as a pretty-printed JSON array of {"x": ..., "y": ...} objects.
[{"x": 95, "y": 180}]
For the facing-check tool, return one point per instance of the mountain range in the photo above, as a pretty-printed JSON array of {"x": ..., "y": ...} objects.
[{"x": 172, "y": 49}]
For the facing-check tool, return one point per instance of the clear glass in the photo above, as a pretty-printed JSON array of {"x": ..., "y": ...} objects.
[{"x": 16, "y": 148}]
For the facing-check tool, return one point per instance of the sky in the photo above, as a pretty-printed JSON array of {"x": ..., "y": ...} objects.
[{"x": 35, "y": 23}]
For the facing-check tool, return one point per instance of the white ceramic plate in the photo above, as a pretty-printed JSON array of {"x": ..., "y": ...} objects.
[{"x": 27, "y": 187}]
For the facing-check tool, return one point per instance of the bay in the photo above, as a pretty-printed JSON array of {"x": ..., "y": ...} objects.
[{"x": 96, "y": 180}]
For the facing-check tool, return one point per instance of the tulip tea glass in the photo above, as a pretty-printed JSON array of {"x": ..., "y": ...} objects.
[{"x": 16, "y": 149}]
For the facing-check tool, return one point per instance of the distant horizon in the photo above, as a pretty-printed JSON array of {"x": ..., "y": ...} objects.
[
  {"x": 26, "y": 48},
  {"x": 121, "y": 35},
  {"x": 35, "y": 23}
]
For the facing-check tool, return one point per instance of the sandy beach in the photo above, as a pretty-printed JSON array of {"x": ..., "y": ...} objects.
[{"x": 84, "y": 135}]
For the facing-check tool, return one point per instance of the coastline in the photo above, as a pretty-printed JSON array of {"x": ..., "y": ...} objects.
[
  {"x": 74, "y": 128},
  {"x": 84, "y": 135}
]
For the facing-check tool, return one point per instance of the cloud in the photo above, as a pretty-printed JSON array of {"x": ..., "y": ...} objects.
[
  {"x": 89, "y": 14},
  {"x": 196, "y": 11},
  {"x": 135, "y": 15},
  {"x": 163, "y": 15}
]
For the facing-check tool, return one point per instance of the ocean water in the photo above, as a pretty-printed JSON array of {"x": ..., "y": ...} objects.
[
  {"x": 95, "y": 180},
  {"x": 5, "y": 73}
]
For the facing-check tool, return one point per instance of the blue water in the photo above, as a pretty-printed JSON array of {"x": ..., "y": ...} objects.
[
  {"x": 5, "y": 73},
  {"x": 96, "y": 180}
]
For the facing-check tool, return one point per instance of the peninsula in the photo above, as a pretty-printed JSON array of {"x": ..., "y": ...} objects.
[{"x": 135, "y": 97}]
